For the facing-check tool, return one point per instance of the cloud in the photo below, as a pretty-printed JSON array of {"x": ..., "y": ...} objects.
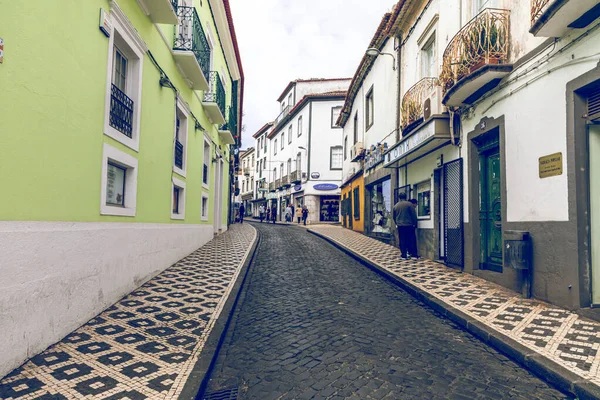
[{"x": 282, "y": 40}]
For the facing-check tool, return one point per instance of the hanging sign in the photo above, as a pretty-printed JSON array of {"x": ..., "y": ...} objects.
[
  {"x": 315, "y": 175},
  {"x": 297, "y": 188},
  {"x": 104, "y": 23},
  {"x": 551, "y": 165},
  {"x": 374, "y": 155},
  {"x": 325, "y": 186}
]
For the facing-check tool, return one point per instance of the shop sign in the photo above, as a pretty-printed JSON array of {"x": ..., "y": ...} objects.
[
  {"x": 325, "y": 186},
  {"x": 374, "y": 155},
  {"x": 551, "y": 165},
  {"x": 298, "y": 188},
  {"x": 271, "y": 196},
  {"x": 315, "y": 175},
  {"x": 410, "y": 144}
]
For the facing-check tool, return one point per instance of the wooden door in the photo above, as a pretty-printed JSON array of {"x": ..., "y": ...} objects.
[{"x": 490, "y": 211}]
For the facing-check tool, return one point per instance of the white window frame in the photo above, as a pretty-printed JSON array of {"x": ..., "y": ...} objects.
[
  {"x": 430, "y": 43},
  {"x": 182, "y": 192},
  {"x": 290, "y": 133},
  {"x": 184, "y": 127},
  {"x": 333, "y": 112},
  {"x": 341, "y": 150},
  {"x": 290, "y": 101},
  {"x": 133, "y": 47},
  {"x": 208, "y": 163},
  {"x": 275, "y": 147},
  {"x": 283, "y": 139},
  {"x": 369, "y": 109},
  {"x": 204, "y": 216},
  {"x": 300, "y": 126},
  {"x": 129, "y": 162}
]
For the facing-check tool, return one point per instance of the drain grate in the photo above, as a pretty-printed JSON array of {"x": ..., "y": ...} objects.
[{"x": 223, "y": 394}]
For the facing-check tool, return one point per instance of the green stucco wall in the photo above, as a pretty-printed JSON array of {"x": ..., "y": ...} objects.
[{"x": 52, "y": 86}]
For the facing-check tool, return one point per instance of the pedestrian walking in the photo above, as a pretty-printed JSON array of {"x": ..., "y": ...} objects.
[
  {"x": 274, "y": 214},
  {"x": 299, "y": 213},
  {"x": 268, "y": 214},
  {"x": 405, "y": 217},
  {"x": 304, "y": 214},
  {"x": 414, "y": 245},
  {"x": 261, "y": 213},
  {"x": 288, "y": 214},
  {"x": 242, "y": 211},
  {"x": 293, "y": 208}
]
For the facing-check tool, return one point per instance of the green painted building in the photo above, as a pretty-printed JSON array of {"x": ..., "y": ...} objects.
[{"x": 119, "y": 122}]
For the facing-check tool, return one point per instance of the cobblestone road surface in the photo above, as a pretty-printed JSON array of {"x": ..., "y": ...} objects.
[{"x": 315, "y": 323}]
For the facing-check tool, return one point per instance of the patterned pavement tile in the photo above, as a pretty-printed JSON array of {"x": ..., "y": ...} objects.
[
  {"x": 557, "y": 334},
  {"x": 145, "y": 345}
]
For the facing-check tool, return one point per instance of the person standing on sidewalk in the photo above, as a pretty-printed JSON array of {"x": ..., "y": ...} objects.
[
  {"x": 406, "y": 220},
  {"x": 304, "y": 214},
  {"x": 242, "y": 211},
  {"x": 288, "y": 214},
  {"x": 261, "y": 213},
  {"x": 298, "y": 214},
  {"x": 274, "y": 213}
]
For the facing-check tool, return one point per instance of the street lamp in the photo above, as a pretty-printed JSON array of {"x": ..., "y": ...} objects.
[{"x": 373, "y": 52}]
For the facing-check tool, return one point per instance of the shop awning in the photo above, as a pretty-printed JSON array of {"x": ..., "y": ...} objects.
[{"x": 432, "y": 134}]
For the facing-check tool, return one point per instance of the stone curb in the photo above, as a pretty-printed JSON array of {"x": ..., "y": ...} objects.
[
  {"x": 197, "y": 381},
  {"x": 548, "y": 370}
]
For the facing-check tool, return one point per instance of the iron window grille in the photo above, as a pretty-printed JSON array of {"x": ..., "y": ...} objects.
[
  {"x": 216, "y": 92},
  {"x": 178, "y": 154},
  {"x": 189, "y": 36},
  {"x": 121, "y": 111}
]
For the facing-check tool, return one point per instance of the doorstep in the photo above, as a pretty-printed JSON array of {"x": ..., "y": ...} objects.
[
  {"x": 157, "y": 342},
  {"x": 558, "y": 345}
]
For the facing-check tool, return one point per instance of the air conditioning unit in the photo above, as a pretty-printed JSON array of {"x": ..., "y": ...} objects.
[
  {"x": 356, "y": 151},
  {"x": 433, "y": 103}
]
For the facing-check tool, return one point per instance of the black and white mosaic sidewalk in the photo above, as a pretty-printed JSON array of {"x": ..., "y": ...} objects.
[
  {"x": 146, "y": 345},
  {"x": 561, "y": 336}
]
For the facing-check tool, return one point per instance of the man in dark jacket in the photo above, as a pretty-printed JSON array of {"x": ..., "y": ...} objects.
[
  {"x": 242, "y": 212},
  {"x": 405, "y": 217}
]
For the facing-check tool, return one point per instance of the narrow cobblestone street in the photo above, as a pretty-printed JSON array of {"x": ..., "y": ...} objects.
[{"x": 315, "y": 323}]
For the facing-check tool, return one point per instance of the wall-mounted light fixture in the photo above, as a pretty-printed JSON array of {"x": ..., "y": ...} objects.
[{"x": 373, "y": 52}]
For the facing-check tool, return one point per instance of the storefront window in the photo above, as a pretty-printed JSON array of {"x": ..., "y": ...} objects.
[
  {"x": 424, "y": 199},
  {"x": 330, "y": 208},
  {"x": 381, "y": 207}
]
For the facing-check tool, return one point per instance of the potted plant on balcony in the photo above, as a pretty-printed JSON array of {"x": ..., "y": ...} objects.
[{"x": 485, "y": 45}]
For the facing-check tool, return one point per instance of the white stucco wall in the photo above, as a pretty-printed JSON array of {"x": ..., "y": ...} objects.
[
  {"x": 323, "y": 137},
  {"x": 55, "y": 276},
  {"x": 529, "y": 137}
]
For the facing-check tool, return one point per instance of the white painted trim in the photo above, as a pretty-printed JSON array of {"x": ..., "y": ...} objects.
[
  {"x": 181, "y": 185},
  {"x": 184, "y": 109},
  {"x": 207, "y": 197},
  {"x": 207, "y": 162},
  {"x": 222, "y": 26},
  {"x": 131, "y": 163},
  {"x": 136, "y": 48}
]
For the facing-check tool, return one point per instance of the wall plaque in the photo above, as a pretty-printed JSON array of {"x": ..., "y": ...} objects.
[{"x": 551, "y": 165}]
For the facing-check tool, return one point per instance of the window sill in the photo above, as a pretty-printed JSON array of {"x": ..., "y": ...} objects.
[
  {"x": 179, "y": 171},
  {"x": 178, "y": 217},
  {"x": 205, "y": 186},
  {"x": 121, "y": 138},
  {"x": 118, "y": 211},
  {"x": 205, "y": 219}
]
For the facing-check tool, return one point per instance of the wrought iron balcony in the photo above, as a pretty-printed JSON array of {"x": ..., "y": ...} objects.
[
  {"x": 295, "y": 177},
  {"x": 285, "y": 180},
  {"x": 483, "y": 42},
  {"x": 214, "y": 99},
  {"x": 121, "y": 111},
  {"x": 284, "y": 113},
  {"x": 412, "y": 102},
  {"x": 553, "y": 18},
  {"x": 190, "y": 37},
  {"x": 178, "y": 154}
]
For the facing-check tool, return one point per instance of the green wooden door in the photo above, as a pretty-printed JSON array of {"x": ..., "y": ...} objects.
[{"x": 490, "y": 211}]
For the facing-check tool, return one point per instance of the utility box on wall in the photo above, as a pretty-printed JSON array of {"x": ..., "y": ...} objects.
[{"x": 517, "y": 250}]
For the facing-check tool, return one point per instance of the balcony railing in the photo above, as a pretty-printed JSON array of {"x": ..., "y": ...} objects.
[
  {"x": 483, "y": 41},
  {"x": 178, "y": 154},
  {"x": 277, "y": 183},
  {"x": 295, "y": 177},
  {"x": 174, "y": 4},
  {"x": 189, "y": 36},
  {"x": 412, "y": 102},
  {"x": 538, "y": 7},
  {"x": 121, "y": 111},
  {"x": 285, "y": 180},
  {"x": 232, "y": 120},
  {"x": 216, "y": 92},
  {"x": 282, "y": 115}
]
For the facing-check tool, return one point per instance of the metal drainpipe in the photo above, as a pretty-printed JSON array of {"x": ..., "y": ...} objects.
[{"x": 398, "y": 88}]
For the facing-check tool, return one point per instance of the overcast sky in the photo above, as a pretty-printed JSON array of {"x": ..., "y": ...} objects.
[{"x": 283, "y": 40}]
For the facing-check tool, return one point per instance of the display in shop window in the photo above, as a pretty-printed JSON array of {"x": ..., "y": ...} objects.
[
  {"x": 115, "y": 185},
  {"x": 381, "y": 207},
  {"x": 424, "y": 200}
]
